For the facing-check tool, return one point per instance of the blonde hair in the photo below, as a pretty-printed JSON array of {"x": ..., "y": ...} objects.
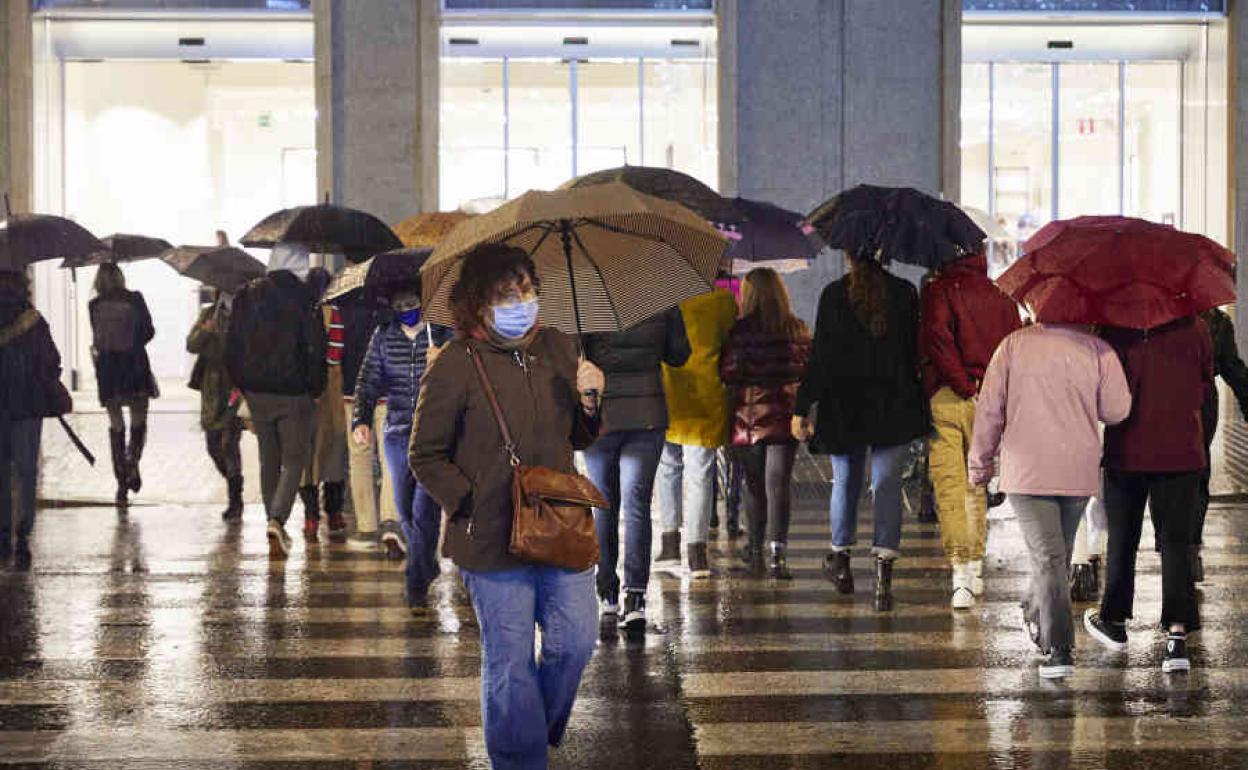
[
  {"x": 765, "y": 298},
  {"x": 109, "y": 279}
]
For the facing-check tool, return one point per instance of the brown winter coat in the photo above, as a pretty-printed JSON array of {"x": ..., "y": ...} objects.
[{"x": 456, "y": 451}]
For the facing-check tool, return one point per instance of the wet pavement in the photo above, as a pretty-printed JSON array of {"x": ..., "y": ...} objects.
[{"x": 165, "y": 639}]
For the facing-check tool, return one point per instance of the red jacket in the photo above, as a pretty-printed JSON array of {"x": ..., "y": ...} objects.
[
  {"x": 763, "y": 372},
  {"x": 1169, "y": 370},
  {"x": 963, "y": 318}
]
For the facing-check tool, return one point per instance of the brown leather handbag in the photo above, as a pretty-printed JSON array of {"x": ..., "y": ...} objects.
[{"x": 552, "y": 521}]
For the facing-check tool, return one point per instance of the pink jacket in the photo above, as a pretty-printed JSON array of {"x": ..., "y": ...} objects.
[{"x": 1044, "y": 393}]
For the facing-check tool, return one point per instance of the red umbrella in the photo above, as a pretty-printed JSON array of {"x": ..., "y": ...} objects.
[{"x": 1119, "y": 271}]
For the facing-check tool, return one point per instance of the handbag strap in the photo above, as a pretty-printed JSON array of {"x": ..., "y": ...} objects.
[{"x": 508, "y": 444}]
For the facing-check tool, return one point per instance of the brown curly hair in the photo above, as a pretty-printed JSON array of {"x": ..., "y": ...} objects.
[
  {"x": 482, "y": 275},
  {"x": 868, "y": 295}
]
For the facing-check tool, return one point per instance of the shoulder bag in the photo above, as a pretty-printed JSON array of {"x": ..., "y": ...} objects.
[{"x": 552, "y": 518}]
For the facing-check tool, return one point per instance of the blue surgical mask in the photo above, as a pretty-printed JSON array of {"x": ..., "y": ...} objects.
[
  {"x": 515, "y": 320},
  {"x": 409, "y": 317}
]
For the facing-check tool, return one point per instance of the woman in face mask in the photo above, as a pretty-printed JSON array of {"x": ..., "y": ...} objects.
[
  {"x": 549, "y": 400},
  {"x": 392, "y": 370}
]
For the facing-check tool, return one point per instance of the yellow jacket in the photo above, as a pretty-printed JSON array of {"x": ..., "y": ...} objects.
[{"x": 699, "y": 406}]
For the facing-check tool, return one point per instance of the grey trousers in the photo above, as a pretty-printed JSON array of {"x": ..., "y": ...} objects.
[
  {"x": 1049, "y": 524},
  {"x": 284, "y": 426}
]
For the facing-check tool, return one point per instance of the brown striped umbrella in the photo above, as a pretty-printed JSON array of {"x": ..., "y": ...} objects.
[
  {"x": 608, "y": 256},
  {"x": 425, "y": 230}
]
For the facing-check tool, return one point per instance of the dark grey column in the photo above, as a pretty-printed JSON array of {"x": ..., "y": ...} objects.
[{"x": 16, "y": 105}]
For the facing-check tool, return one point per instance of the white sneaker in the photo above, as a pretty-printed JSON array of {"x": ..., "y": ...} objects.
[
  {"x": 362, "y": 541},
  {"x": 279, "y": 540},
  {"x": 976, "y": 569},
  {"x": 963, "y": 598}
]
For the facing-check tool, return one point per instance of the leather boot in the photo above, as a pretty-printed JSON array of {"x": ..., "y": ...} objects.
[
  {"x": 121, "y": 468},
  {"x": 778, "y": 563},
  {"x": 1081, "y": 583},
  {"x": 138, "y": 439},
  {"x": 335, "y": 496},
  {"x": 836, "y": 568},
  {"x": 669, "y": 548},
  {"x": 310, "y": 496},
  {"x": 883, "y": 585},
  {"x": 234, "y": 509}
]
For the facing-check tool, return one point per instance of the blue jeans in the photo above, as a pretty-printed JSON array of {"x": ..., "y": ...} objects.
[
  {"x": 686, "y": 481},
  {"x": 419, "y": 516},
  {"x": 525, "y": 700},
  {"x": 19, "y": 462},
  {"x": 622, "y": 465},
  {"x": 848, "y": 472}
]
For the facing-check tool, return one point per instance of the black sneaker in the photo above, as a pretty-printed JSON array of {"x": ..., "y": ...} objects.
[
  {"x": 1059, "y": 664},
  {"x": 1112, "y": 635},
  {"x": 1176, "y": 653},
  {"x": 633, "y": 619}
]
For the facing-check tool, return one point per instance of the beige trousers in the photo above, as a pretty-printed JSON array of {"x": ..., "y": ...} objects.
[
  {"x": 962, "y": 509},
  {"x": 363, "y": 464}
]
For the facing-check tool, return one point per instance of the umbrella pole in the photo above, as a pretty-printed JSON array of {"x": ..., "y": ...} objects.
[{"x": 565, "y": 233}]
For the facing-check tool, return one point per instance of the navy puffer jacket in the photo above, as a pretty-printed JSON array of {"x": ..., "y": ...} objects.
[{"x": 393, "y": 368}]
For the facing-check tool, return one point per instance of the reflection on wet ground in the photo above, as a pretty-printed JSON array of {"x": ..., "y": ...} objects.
[{"x": 165, "y": 639}]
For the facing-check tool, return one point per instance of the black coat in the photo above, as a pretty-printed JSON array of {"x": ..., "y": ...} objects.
[
  {"x": 867, "y": 390},
  {"x": 121, "y": 327},
  {"x": 30, "y": 366},
  {"x": 276, "y": 343},
  {"x": 634, "y": 398}
]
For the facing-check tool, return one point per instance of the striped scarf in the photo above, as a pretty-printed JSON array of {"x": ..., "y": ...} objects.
[{"x": 337, "y": 337}]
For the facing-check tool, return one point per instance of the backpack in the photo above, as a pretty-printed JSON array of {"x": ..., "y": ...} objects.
[{"x": 114, "y": 325}]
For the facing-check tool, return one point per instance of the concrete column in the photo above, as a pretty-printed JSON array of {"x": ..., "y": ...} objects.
[
  {"x": 16, "y": 105},
  {"x": 1238, "y": 55},
  {"x": 820, "y": 95},
  {"x": 377, "y": 105}
]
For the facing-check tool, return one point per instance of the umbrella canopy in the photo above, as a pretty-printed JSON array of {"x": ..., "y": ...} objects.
[
  {"x": 669, "y": 185},
  {"x": 427, "y": 229},
  {"x": 1119, "y": 271},
  {"x": 896, "y": 223},
  {"x": 769, "y": 236},
  {"x": 993, "y": 229},
  {"x": 29, "y": 238},
  {"x": 380, "y": 275},
  {"x": 608, "y": 256},
  {"x": 223, "y": 267},
  {"x": 325, "y": 229},
  {"x": 123, "y": 247}
]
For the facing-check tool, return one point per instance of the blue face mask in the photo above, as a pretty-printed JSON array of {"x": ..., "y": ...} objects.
[
  {"x": 515, "y": 321},
  {"x": 409, "y": 317}
]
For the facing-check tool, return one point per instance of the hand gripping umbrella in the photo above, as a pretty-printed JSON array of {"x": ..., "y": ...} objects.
[
  {"x": 325, "y": 229},
  {"x": 1119, "y": 271},
  {"x": 122, "y": 247},
  {"x": 222, "y": 267},
  {"x": 608, "y": 256}
]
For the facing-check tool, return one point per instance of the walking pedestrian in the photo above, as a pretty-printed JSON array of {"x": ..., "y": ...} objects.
[
  {"x": 699, "y": 416},
  {"x": 549, "y": 402},
  {"x": 218, "y": 412},
  {"x": 275, "y": 353},
  {"x": 623, "y": 461},
  {"x": 864, "y": 378},
  {"x": 762, "y": 363},
  {"x": 30, "y": 390},
  {"x": 1156, "y": 458},
  {"x": 121, "y": 327},
  {"x": 393, "y": 368},
  {"x": 1049, "y": 386},
  {"x": 324, "y": 481},
  {"x": 963, "y": 317}
]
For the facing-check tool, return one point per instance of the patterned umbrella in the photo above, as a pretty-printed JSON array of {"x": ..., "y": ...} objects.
[
  {"x": 123, "y": 247},
  {"x": 398, "y": 269},
  {"x": 325, "y": 229},
  {"x": 29, "y": 238},
  {"x": 1119, "y": 271},
  {"x": 608, "y": 256},
  {"x": 223, "y": 267},
  {"x": 669, "y": 185},
  {"x": 425, "y": 230}
]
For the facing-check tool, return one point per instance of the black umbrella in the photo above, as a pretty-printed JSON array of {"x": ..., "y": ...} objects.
[
  {"x": 397, "y": 270},
  {"x": 223, "y": 267},
  {"x": 768, "y": 236},
  {"x": 123, "y": 247},
  {"x": 29, "y": 238},
  {"x": 896, "y": 223},
  {"x": 325, "y": 229},
  {"x": 670, "y": 185}
]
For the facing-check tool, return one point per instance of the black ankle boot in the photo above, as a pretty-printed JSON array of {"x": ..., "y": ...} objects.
[
  {"x": 778, "y": 563},
  {"x": 138, "y": 439},
  {"x": 234, "y": 509},
  {"x": 883, "y": 585},
  {"x": 121, "y": 467},
  {"x": 1081, "y": 583},
  {"x": 836, "y": 568}
]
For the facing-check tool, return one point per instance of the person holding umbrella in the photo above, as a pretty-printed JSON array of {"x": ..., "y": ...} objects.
[
  {"x": 963, "y": 317},
  {"x": 275, "y": 353},
  {"x": 218, "y": 415},
  {"x": 30, "y": 390},
  {"x": 393, "y": 368},
  {"x": 549, "y": 400},
  {"x": 121, "y": 327}
]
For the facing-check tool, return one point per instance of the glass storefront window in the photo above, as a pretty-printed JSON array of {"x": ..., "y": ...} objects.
[
  {"x": 1088, "y": 153},
  {"x": 608, "y": 114},
  {"x": 681, "y": 117},
  {"x": 1152, "y": 145},
  {"x": 539, "y": 121},
  {"x": 1022, "y": 170},
  {"x": 472, "y": 117},
  {"x": 976, "y": 136}
]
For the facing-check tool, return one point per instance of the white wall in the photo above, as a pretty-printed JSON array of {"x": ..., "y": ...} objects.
[{"x": 178, "y": 151}]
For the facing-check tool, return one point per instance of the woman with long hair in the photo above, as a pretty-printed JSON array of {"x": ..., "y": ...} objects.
[
  {"x": 864, "y": 378},
  {"x": 549, "y": 401},
  {"x": 121, "y": 327},
  {"x": 762, "y": 363}
]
